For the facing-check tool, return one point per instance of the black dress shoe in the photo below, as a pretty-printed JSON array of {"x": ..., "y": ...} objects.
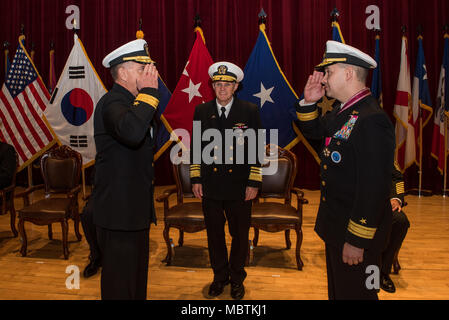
[
  {"x": 237, "y": 291},
  {"x": 91, "y": 269},
  {"x": 387, "y": 284},
  {"x": 217, "y": 287}
]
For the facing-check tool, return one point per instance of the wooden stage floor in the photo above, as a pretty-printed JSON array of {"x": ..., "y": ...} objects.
[{"x": 272, "y": 276}]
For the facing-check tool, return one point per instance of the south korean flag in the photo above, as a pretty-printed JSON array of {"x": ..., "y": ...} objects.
[{"x": 70, "y": 111}]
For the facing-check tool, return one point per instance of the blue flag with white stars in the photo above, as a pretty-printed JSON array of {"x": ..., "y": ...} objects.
[{"x": 265, "y": 85}]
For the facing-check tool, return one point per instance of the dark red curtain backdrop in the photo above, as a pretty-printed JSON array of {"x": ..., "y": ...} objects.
[{"x": 298, "y": 30}]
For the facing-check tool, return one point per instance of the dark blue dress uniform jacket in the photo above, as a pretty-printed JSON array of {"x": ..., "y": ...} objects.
[
  {"x": 356, "y": 171},
  {"x": 123, "y": 194},
  {"x": 227, "y": 181}
]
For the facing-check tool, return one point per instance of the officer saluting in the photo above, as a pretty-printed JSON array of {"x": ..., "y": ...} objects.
[
  {"x": 123, "y": 192},
  {"x": 226, "y": 187},
  {"x": 354, "y": 215}
]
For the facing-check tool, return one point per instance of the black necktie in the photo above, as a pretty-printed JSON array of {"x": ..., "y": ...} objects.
[{"x": 223, "y": 115}]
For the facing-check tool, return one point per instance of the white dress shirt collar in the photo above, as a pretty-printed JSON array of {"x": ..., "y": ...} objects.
[{"x": 227, "y": 107}]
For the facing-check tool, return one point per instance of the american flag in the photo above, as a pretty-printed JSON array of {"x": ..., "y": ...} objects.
[{"x": 23, "y": 100}]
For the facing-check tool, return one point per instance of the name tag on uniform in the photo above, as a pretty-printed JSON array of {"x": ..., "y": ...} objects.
[{"x": 345, "y": 131}]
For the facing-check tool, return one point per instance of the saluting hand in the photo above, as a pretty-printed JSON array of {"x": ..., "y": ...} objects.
[
  {"x": 314, "y": 91},
  {"x": 148, "y": 77}
]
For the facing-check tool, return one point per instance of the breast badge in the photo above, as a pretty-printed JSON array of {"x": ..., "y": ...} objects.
[{"x": 336, "y": 156}]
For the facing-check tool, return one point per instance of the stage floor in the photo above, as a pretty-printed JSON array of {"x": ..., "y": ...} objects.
[{"x": 271, "y": 276}]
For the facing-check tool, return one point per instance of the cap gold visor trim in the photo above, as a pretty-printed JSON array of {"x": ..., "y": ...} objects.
[
  {"x": 221, "y": 77},
  {"x": 327, "y": 61},
  {"x": 142, "y": 59}
]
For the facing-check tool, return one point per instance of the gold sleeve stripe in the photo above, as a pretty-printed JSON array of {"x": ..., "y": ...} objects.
[
  {"x": 307, "y": 116},
  {"x": 256, "y": 169},
  {"x": 152, "y": 101},
  {"x": 400, "y": 188},
  {"x": 195, "y": 174},
  {"x": 255, "y": 177},
  {"x": 195, "y": 170},
  {"x": 361, "y": 231}
]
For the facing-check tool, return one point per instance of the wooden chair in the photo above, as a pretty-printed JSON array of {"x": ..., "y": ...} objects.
[
  {"x": 61, "y": 169},
  {"x": 186, "y": 217},
  {"x": 7, "y": 200},
  {"x": 275, "y": 216}
]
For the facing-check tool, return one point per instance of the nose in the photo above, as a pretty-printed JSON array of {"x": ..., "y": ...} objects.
[{"x": 324, "y": 81}]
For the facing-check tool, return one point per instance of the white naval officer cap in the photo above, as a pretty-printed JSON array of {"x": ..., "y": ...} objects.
[
  {"x": 136, "y": 50},
  {"x": 225, "y": 71},
  {"x": 337, "y": 52}
]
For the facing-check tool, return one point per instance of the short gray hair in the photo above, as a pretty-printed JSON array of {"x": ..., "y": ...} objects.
[
  {"x": 360, "y": 72},
  {"x": 114, "y": 71}
]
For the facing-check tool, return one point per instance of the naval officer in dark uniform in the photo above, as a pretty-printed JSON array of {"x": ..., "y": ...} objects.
[
  {"x": 225, "y": 185},
  {"x": 123, "y": 194},
  {"x": 354, "y": 216}
]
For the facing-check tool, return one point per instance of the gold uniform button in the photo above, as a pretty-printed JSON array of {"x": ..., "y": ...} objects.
[
  {"x": 323, "y": 183},
  {"x": 230, "y": 170},
  {"x": 215, "y": 169},
  {"x": 325, "y": 167},
  {"x": 324, "y": 199}
]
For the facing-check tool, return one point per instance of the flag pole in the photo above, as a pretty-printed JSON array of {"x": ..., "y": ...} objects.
[
  {"x": 420, "y": 154},
  {"x": 50, "y": 76},
  {"x": 446, "y": 29},
  {"x": 262, "y": 17},
  {"x": 33, "y": 52},
  {"x": 445, "y": 154},
  {"x": 83, "y": 173},
  {"x": 6, "y": 52},
  {"x": 30, "y": 166},
  {"x": 420, "y": 133},
  {"x": 335, "y": 14}
]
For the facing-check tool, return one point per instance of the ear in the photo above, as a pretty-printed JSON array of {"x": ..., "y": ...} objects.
[
  {"x": 236, "y": 86},
  {"x": 122, "y": 74},
  {"x": 350, "y": 73}
]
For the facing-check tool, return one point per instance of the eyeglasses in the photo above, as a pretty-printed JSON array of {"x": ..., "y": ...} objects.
[{"x": 223, "y": 85}]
